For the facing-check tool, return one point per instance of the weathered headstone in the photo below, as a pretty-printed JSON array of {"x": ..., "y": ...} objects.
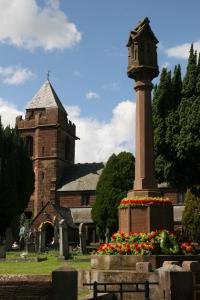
[{"x": 63, "y": 240}]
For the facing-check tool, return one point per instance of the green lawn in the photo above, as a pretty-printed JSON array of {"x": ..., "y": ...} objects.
[{"x": 44, "y": 267}]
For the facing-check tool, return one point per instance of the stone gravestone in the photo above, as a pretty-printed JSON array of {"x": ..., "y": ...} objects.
[
  {"x": 82, "y": 237},
  {"x": 42, "y": 238},
  {"x": 63, "y": 240}
]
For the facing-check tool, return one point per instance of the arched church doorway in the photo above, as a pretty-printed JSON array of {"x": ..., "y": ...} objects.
[
  {"x": 49, "y": 228},
  {"x": 46, "y": 236}
]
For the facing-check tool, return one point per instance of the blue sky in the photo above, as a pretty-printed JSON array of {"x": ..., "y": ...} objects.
[{"x": 83, "y": 44}]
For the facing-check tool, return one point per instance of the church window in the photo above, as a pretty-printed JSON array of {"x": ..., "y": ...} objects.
[
  {"x": 29, "y": 143},
  {"x": 85, "y": 200}
]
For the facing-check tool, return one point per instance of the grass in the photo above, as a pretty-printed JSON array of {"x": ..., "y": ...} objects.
[{"x": 40, "y": 268}]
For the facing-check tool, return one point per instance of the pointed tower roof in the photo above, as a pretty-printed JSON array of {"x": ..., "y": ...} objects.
[{"x": 46, "y": 97}]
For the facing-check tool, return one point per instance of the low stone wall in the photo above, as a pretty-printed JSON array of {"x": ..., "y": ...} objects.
[
  {"x": 112, "y": 276},
  {"x": 128, "y": 262},
  {"x": 31, "y": 287},
  {"x": 175, "y": 280},
  {"x": 61, "y": 285}
]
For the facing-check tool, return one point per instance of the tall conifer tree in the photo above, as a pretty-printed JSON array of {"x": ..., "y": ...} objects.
[
  {"x": 160, "y": 109},
  {"x": 173, "y": 166},
  {"x": 188, "y": 147}
]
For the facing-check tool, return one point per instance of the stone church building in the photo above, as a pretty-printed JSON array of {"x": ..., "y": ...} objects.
[
  {"x": 61, "y": 204},
  {"x": 64, "y": 191}
]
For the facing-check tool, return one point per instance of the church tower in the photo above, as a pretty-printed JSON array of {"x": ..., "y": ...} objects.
[{"x": 50, "y": 137}]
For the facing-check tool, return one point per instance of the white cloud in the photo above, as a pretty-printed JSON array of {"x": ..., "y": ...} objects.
[
  {"x": 98, "y": 140},
  {"x": 182, "y": 51},
  {"x": 14, "y": 75},
  {"x": 91, "y": 95},
  {"x": 25, "y": 24},
  {"x": 165, "y": 65},
  {"x": 8, "y": 113}
]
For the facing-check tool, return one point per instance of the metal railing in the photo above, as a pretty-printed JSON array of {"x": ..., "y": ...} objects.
[{"x": 137, "y": 287}]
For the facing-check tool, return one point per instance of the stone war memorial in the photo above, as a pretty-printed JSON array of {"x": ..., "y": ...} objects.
[
  {"x": 144, "y": 209},
  {"x": 145, "y": 247}
]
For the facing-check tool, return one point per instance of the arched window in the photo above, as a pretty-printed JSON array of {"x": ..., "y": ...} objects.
[{"x": 29, "y": 143}]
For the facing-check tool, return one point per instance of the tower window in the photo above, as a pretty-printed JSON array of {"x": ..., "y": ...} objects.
[
  {"x": 67, "y": 148},
  {"x": 29, "y": 143}
]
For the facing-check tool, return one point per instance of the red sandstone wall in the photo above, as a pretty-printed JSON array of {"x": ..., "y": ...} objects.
[
  {"x": 31, "y": 287},
  {"x": 73, "y": 199}
]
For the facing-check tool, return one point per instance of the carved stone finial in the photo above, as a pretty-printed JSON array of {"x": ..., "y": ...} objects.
[
  {"x": 142, "y": 56},
  {"x": 141, "y": 23}
]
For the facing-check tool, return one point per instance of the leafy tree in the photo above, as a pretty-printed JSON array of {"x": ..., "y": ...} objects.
[
  {"x": 191, "y": 215},
  {"x": 16, "y": 176},
  {"x": 113, "y": 185}
]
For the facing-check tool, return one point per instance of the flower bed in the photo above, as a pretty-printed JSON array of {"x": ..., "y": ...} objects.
[
  {"x": 143, "y": 201},
  {"x": 145, "y": 243}
]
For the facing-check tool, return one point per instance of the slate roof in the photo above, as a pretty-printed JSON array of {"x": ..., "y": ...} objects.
[
  {"x": 72, "y": 216},
  {"x": 75, "y": 215},
  {"x": 46, "y": 97},
  {"x": 81, "y": 177},
  {"x": 81, "y": 215}
]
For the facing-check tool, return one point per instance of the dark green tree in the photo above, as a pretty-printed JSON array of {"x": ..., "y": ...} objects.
[
  {"x": 188, "y": 146},
  {"x": 113, "y": 185},
  {"x": 16, "y": 176},
  {"x": 176, "y": 123},
  {"x": 189, "y": 82},
  {"x": 160, "y": 110},
  {"x": 191, "y": 215},
  {"x": 173, "y": 173}
]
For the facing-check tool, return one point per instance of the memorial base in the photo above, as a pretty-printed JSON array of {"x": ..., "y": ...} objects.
[
  {"x": 147, "y": 218},
  {"x": 144, "y": 193}
]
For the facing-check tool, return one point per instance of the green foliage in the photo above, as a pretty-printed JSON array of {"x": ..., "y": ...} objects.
[
  {"x": 188, "y": 146},
  {"x": 145, "y": 243},
  {"x": 167, "y": 97},
  {"x": 176, "y": 124},
  {"x": 189, "y": 82},
  {"x": 16, "y": 176},
  {"x": 113, "y": 185},
  {"x": 191, "y": 215}
]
